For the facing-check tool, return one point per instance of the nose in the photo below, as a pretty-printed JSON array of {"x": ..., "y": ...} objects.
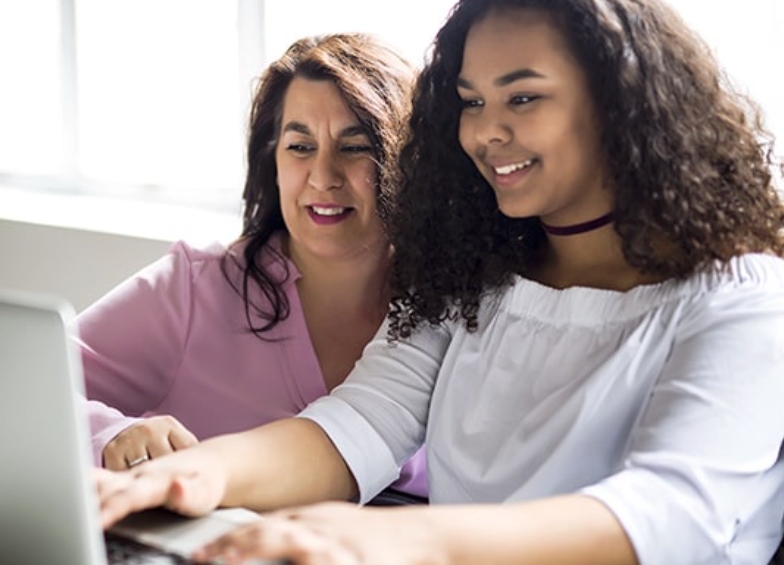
[
  {"x": 490, "y": 127},
  {"x": 325, "y": 172}
]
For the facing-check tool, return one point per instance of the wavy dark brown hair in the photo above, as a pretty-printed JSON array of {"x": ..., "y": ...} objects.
[
  {"x": 376, "y": 83},
  {"x": 689, "y": 159}
]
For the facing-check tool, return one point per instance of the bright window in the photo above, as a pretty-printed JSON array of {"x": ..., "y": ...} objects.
[
  {"x": 148, "y": 99},
  {"x": 746, "y": 37},
  {"x": 31, "y": 109},
  {"x": 158, "y": 103}
]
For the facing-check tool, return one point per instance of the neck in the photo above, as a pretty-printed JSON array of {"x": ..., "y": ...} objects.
[
  {"x": 355, "y": 283},
  {"x": 594, "y": 260},
  {"x": 575, "y": 229}
]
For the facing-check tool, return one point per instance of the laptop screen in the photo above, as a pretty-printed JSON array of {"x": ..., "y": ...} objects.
[{"x": 48, "y": 509}]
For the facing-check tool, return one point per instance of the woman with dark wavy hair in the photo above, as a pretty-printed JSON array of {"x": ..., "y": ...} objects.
[
  {"x": 213, "y": 340},
  {"x": 587, "y": 325}
]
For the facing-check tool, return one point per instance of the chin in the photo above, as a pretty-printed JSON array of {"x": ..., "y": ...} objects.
[{"x": 509, "y": 210}]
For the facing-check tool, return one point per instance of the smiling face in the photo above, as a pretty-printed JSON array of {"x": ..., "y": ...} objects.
[
  {"x": 326, "y": 174},
  {"x": 528, "y": 122}
]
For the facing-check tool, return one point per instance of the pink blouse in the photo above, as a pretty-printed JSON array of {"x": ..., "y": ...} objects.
[{"x": 173, "y": 339}]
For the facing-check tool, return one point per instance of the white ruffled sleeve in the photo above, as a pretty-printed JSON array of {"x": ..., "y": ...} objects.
[
  {"x": 377, "y": 417},
  {"x": 684, "y": 489}
]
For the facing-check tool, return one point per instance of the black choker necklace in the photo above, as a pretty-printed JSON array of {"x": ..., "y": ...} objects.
[{"x": 578, "y": 228}]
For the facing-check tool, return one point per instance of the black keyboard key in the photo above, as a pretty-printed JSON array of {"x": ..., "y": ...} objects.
[{"x": 124, "y": 551}]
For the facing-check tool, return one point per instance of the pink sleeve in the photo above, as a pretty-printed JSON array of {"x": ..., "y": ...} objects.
[
  {"x": 105, "y": 423},
  {"x": 131, "y": 343},
  {"x": 413, "y": 475}
]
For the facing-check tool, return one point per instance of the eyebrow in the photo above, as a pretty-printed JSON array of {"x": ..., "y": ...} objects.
[
  {"x": 299, "y": 127},
  {"x": 506, "y": 79}
]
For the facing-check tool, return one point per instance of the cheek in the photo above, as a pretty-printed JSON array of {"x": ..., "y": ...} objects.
[
  {"x": 292, "y": 181},
  {"x": 585, "y": 134},
  {"x": 286, "y": 182},
  {"x": 287, "y": 194},
  {"x": 464, "y": 135},
  {"x": 364, "y": 179}
]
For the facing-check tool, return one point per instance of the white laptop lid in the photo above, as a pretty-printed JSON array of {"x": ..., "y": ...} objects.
[{"x": 48, "y": 511}]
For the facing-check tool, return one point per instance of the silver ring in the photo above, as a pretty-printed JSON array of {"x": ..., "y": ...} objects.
[{"x": 138, "y": 461}]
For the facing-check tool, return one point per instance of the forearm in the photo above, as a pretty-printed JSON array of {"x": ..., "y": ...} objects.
[
  {"x": 569, "y": 530},
  {"x": 264, "y": 471}
]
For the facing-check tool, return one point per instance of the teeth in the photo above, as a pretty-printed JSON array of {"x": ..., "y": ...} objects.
[
  {"x": 327, "y": 211},
  {"x": 509, "y": 169}
]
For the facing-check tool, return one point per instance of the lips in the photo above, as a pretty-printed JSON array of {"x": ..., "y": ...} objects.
[
  {"x": 328, "y": 215},
  {"x": 513, "y": 167},
  {"x": 508, "y": 174},
  {"x": 328, "y": 210}
]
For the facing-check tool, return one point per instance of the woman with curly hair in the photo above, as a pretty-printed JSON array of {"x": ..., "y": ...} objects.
[{"x": 587, "y": 322}]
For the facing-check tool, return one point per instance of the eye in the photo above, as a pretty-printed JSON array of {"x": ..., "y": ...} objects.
[
  {"x": 471, "y": 103},
  {"x": 301, "y": 148},
  {"x": 523, "y": 99},
  {"x": 357, "y": 148}
]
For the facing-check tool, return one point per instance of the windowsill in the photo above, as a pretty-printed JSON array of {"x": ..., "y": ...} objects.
[{"x": 131, "y": 218}]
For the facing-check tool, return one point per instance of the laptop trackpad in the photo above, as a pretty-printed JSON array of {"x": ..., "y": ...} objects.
[{"x": 177, "y": 534}]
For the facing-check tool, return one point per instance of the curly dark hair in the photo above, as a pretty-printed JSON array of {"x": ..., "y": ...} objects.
[
  {"x": 376, "y": 83},
  {"x": 689, "y": 159}
]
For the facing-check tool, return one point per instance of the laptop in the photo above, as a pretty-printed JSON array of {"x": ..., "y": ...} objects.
[{"x": 48, "y": 507}]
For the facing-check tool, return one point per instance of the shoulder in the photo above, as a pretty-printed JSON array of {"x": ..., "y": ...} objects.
[
  {"x": 187, "y": 266},
  {"x": 163, "y": 288},
  {"x": 743, "y": 298},
  {"x": 198, "y": 254},
  {"x": 745, "y": 282},
  {"x": 271, "y": 257},
  {"x": 747, "y": 285},
  {"x": 754, "y": 270}
]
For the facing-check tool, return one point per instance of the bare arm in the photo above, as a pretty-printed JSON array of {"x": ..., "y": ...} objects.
[
  {"x": 568, "y": 530},
  {"x": 266, "y": 473},
  {"x": 256, "y": 468}
]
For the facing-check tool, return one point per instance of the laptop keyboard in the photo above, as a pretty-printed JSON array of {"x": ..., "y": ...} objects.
[{"x": 124, "y": 551}]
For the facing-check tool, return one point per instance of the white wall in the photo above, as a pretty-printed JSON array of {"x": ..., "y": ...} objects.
[
  {"x": 76, "y": 264},
  {"x": 78, "y": 247}
]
